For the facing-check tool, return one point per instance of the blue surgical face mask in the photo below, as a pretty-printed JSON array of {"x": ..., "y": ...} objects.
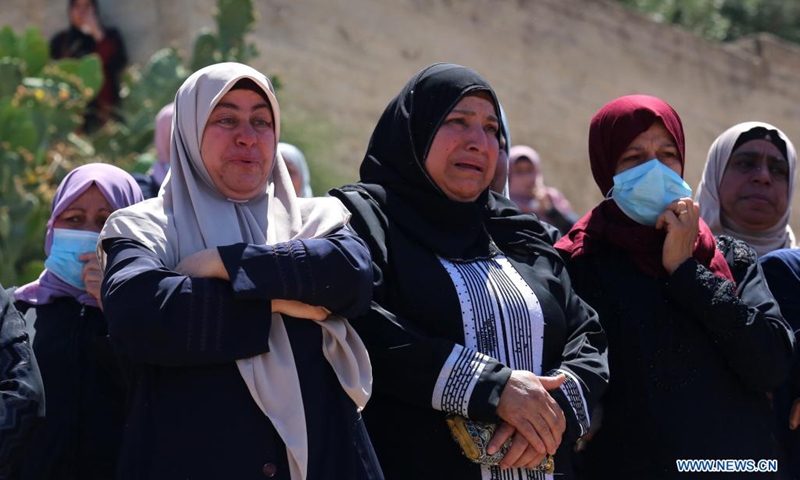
[
  {"x": 644, "y": 191},
  {"x": 63, "y": 260}
]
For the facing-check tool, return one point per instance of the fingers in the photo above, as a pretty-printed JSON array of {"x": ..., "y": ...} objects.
[
  {"x": 297, "y": 309},
  {"x": 526, "y": 405},
  {"x": 88, "y": 257},
  {"x": 503, "y": 433},
  {"x": 521, "y": 455},
  {"x": 794, "y": 415},
  {"x": 551, "y": 383}
]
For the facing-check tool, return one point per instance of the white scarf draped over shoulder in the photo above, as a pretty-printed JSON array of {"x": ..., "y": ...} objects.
[
  {"x": 779, "y": 235},
  {"x": 191, "y": 215}
]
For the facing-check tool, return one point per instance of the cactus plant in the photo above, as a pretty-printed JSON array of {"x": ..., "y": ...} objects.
[{"x": 40, "y": 105}]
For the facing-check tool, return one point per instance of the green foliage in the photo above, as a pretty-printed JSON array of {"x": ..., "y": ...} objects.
[
  {"x": 42, "y": 103},
  {"x": 726, "y": 20},
  {"x": 234, "y": 19},
  {"x": 126, "y": 141},
  {"x": 40, "y": 107}
]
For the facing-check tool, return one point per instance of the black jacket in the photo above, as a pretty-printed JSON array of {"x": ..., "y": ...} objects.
[
  {"x": 416, "y": 322},
  {"x": 85, "y": 388},
  {"x": 692, "y": 357},
  {"x": 21, "y": 391}
]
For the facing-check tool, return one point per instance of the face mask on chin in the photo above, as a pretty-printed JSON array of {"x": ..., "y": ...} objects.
[
  {"x": 644, "y": 191},
  {"x": 63, "y": 259}
]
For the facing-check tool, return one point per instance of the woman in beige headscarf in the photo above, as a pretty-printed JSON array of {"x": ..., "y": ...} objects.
[
  {"x": 747, "y": 185},
  {"x": 225, "y": 386}
]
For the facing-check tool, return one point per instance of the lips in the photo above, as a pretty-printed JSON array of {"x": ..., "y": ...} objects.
[
  {"x": 471, "y": 165},
  {"x": 758, "y": 198}
]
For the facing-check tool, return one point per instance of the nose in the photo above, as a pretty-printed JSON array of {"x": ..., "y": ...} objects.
[
  {"x": 761, "y": 172},
  {"x": 246, "y": 135},
  {"x": 478, "y": 140}
]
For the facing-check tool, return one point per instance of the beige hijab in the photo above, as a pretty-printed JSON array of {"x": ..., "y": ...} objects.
[
  {"x": 778, "y": 236},
  {"x": 192, "y": 215}
]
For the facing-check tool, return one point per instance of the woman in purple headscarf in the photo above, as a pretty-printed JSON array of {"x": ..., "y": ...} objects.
[{"x": 83, "y": 385}]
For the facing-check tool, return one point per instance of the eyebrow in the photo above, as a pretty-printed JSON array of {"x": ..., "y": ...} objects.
[
  {"x": 774, "y": 158},
  {"x": 82, "y": 209},
  {"x": 236, "y": 107},
  {"x": 472, "y": 113},
  {"x": 638, "y": 148}
]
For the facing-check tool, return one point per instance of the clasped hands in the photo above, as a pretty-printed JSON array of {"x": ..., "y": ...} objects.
[
  {"x": 208, "y": 264},
  {"x": 531, "y": 417}
]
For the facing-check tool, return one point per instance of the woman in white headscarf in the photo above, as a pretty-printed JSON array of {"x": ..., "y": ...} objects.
[
  {"x": 747, "y": 185},
  {"x": 221, "y": 292},
  {"x": 298, "y": 169}
]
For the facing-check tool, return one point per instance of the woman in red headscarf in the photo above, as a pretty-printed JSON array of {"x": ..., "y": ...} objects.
[{"x": 696, "y": 339}]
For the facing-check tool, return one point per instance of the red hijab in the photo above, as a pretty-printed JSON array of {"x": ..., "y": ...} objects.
[{"x": 612, "y": 129}]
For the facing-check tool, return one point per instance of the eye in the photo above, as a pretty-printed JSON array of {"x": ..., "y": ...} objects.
[
  {"x": 261, "y": 123},
  {"x": 492, "y": 128},
  {"x": 73, "y": 219},
  {"x": 744, "y": 165},
  {"x": 457, "y": 121}
]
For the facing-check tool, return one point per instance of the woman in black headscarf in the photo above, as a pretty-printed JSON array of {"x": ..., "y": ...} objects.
[
  {"x": 473, "y": 314},
  {"x": 85, "y": 35}
]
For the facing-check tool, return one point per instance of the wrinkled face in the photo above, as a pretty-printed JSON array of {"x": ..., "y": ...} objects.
[
  {"x": 522, "y": 177},
  {"x": 79, "y": 10},
  {"x": 463, "y": 156},
  {"x": 655, "y": 142},
  {"x": 754, "y": 191},
  {"x": 239, "y": 144},
  {"x": 88, "y": 212}
]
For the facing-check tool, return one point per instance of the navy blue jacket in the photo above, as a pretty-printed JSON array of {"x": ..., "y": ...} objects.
[{"x": 192, "y": 416}]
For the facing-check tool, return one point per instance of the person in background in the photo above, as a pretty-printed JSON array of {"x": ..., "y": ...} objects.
[
  {"x": 22, "y": 405},
  {"x": 85, "y": 35},
  {"x": 782, "y": 271},
  {"x": 83, "y": 378},
  {"x": 695, "y": 344},
  {"x": 220, "y": 293},
  {"x": 747, "y": 186},
  {"x": 473, "y": 318},
  {"x": 298, "y": 169},
  {"x": 151, "y": 182},
  {"x": 500, "y": 180},
  {"x": 528, "y": 190}
]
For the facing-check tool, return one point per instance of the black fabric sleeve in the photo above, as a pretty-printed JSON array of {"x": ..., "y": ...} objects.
[
  {"x": 333, "y": 272},
  {"x": 427, "y": 372},
  {"x": 21, "y": 390},
  {"x": 782, "y": 271},
  {"x": 585, "y": 363},
  {"x": 157, "y": 316},
  {"x": 748, "y": 329}
]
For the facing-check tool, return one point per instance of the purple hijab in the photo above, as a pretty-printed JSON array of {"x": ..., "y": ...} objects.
[{"x": 119, "y": 188}]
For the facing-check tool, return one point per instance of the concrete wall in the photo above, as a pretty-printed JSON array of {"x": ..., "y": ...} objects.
[{"x": 552, "y": 62}]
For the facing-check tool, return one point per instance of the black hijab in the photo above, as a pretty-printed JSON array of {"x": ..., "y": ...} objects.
[{"x": 393, "y": 173}]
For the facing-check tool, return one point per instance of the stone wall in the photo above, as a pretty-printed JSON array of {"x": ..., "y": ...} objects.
[{"x": 552, "y": 62}]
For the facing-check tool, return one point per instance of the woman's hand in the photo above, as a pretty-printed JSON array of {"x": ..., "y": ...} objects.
[
  {"x": 92, "y": 275},
  {"x": 794, "y": 415},
  {"x": 91, "y": 25},
  {"x": 532, "y": 414},
  {"x": 520, "y": 454},
  {"x": 296, "y": 309},
  {"x": 205, "y": 264},
  {"x": 681, "y": 220}
]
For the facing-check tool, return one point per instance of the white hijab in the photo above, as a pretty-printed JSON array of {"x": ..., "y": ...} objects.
[
  {"x": 779, "y": 235},
  {"x": 192, "y": 215}
]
